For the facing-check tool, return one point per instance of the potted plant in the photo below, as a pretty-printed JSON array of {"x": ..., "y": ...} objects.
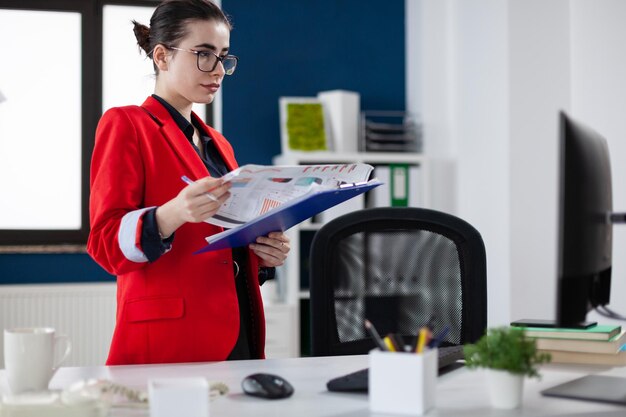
[{"x": 509, "y": 356}]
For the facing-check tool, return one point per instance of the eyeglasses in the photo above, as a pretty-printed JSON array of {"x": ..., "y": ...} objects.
[{"x": 207, "y": 60}]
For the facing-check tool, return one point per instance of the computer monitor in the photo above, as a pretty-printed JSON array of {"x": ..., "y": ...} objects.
[
  {"x": 584, "y": 250},
  {"x": 585, "y": 222}
]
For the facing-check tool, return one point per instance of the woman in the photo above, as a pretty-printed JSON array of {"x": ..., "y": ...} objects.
[{"x": 173, "y": 306}]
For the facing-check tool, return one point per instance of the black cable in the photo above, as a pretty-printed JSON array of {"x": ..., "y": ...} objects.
[
  {"x": 607, "y": 312},
  {"x": 603, "y": 313},
  {"x": 615, "y": 314}
]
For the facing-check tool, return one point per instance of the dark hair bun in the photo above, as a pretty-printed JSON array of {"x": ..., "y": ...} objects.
[{"x": 142, "y": 33}]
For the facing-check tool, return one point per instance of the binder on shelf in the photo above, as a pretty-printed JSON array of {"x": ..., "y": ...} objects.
[
  {"x": 285, "y": 216},
  {"x": 380, "y": 195},
  {"x": 416, "y": 186},
  {"x": 401, "y": 186}
]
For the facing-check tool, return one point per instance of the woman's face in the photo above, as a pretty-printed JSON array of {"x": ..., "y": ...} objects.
[{"x": 182, "y": 80}]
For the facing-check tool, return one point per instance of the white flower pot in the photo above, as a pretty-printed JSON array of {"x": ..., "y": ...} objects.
[{"x": 505, "y": 388}]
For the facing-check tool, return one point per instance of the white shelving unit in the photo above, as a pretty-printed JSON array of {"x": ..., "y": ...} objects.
[
  {"x": 289, "y": 291},
  {"x": 282, "y": 324}
]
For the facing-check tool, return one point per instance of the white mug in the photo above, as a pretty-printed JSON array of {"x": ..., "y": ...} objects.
[{"x": 29, "y": 357}]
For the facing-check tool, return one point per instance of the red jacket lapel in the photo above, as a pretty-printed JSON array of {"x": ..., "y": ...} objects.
[
  {"x": 222, "y": 145},
  {"x": 176, "y": 138}
]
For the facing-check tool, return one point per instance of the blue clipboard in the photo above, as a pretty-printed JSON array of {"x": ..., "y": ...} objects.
[{"x": 286, "y": 216}]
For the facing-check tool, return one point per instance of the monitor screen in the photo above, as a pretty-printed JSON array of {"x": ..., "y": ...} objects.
[{"x": 585, "y": 229}]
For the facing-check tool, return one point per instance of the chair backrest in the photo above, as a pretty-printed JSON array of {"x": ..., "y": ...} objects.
[{"x": 396, "y": 267}]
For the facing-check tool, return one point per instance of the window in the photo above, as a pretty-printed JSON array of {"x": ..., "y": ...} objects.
[
  {"x": 40, "y": 133},
  {"x": 64, "y": 61},
  {"x": 127, "y": 76}
]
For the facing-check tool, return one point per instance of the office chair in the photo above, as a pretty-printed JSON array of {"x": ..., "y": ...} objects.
[{"x": 396, "y": 267}]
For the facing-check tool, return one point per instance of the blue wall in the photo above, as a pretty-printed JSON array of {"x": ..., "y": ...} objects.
[
  {"x": 47, "y": 268},
  {"x": 286, "y": 48},
  {"x": 298, "y": 48}
]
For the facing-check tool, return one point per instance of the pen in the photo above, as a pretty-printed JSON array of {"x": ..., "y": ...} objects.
[
  {"x": 189, "y": 181},
  {"x": 372, "y": 331},
  {"x": 390, "y": 345},
  {"x": 431, "y": 328},
  {"x": 398, "y": 341},
  {"x": 436, "y": 341},
  {"x": 422, "y": 340}
]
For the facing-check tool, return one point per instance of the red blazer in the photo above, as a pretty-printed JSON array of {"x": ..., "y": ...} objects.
[{"x": 182, "y": 307}]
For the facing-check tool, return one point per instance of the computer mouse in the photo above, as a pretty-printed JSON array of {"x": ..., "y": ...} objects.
[{"x": 266, "y": 386}]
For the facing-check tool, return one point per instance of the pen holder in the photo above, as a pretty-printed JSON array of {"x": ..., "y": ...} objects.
[
  {"x": 187, "y": 397},
  {"x": 402, "y": 382}
]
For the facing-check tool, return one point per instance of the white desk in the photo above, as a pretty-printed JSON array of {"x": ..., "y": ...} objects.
[{"x": 460, "y": 393}]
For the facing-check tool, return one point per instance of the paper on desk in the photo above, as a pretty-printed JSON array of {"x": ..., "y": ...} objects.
[{"x": 257, "y": 189}]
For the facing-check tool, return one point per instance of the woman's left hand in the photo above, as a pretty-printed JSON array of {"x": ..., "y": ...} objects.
[{"x": 271, "y": 249}]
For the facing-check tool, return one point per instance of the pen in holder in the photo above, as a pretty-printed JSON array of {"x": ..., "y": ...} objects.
[{"x": 402, "y": 382}]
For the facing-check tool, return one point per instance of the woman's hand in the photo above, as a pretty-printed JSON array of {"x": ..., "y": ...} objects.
[
  {"x": 271, "y": 249},
  {"x": 195, "y": 203}
]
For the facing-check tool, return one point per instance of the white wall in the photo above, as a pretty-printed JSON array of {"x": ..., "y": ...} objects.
[
  {"x": 464, "y": 103},
  {"x": 598, "y": 73},
  {"x": 539, "y": 80},
  {"x": 482, "y": 114},
  {"x": 493, "y": 76}
]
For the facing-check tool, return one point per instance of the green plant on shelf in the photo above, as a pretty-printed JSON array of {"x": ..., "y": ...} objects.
[{"x": 506, "y": 349}]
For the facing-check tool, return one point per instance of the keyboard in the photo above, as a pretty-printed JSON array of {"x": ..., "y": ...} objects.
[{"x": 358, "y": 381}]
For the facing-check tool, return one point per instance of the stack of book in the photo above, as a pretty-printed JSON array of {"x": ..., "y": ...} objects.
[{"x": 598, "y": 345}]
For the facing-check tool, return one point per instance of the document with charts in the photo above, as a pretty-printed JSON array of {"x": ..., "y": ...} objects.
[
  {"x": 271, "y": 198},
  {"x": 256, "y": 189}
]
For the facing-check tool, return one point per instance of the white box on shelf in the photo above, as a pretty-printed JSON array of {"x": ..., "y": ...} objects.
[
  {"x": 342, "y": 110},
  {"x": 381, "y": 196},
  {"x": 402, "y": 382},
  {"x": 415, "y": 186},
  {"x": 187, "y": 397}
]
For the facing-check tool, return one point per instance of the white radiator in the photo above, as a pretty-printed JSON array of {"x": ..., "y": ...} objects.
[{"x": 84, "y": 312}]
